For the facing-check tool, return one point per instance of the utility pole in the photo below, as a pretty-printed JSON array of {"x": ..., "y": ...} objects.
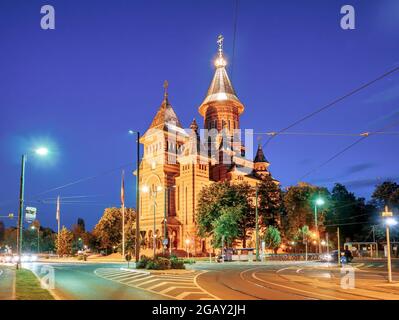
[
  {"x": 154, "y": 235},
  {"x": 389, "y": 254},
  {"x": 339, "y": 247},
  {"x": 165, "y": 211},
  {"x": 138, "y": 197},
  {"x": 137, "y": 242},
  {"x": 223, "y": 249},
  {"x": 256, "y": 224},
  {"x": 20, "y": 210},
  {"x": 387, "y": 215},
  {"x": 123, "y": 214}
]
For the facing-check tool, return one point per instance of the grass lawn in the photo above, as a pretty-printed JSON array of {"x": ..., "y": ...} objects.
[{"x": 28, "y": 287}]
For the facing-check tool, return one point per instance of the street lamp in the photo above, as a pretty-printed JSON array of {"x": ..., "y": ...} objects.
[
  {"x": 137, "y": 245},
  {"x": 389, "y": 221},
  {"x": 256, "y": 223},
  {"x": 153, "y": 194},
  {"x": 165, "y": 217},
  {"x": 319, "y": 202},
  {"x": 41, "y": 151}
]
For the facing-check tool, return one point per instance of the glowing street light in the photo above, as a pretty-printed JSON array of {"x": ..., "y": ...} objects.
[
  {"x": 42, "y": 151},
  {"x": 391, "y": 222}
]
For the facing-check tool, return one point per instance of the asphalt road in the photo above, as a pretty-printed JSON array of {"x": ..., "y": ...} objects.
[
  {"x": 75, "y": 281},
  {"x": 272, "y": 281},
  {"x": 312, "y": 281}
]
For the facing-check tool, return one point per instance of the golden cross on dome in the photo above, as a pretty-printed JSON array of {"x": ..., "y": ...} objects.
[
  {"x": 220, "y": 44},
  {"x": 165, "y": 86}
]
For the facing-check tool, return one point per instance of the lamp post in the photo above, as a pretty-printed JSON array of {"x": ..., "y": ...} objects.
[
  {"x": 389, "y": 221},
  {"x": 318, "y": 202},
  {"x": 42, "y": 151},
  {"x": 153, "y": 192},
  {"x": 256, "y": 224},
  {"x": 137, "y": 245},
  {"x": 165, "y": 217}
]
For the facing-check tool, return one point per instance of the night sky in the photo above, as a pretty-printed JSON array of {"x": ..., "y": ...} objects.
[{"x": 79, "y": 88}]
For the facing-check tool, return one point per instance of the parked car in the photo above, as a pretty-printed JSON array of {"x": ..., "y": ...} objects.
[{"x": 346, "y": 256}]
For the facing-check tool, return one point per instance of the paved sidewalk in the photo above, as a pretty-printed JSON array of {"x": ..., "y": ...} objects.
[{"x": 7, "y": 283}]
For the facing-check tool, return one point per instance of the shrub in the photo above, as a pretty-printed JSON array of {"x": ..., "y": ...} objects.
[
  {"x": 164, "y": 263},
  {"x": 82, "y": 257},
  {"x": 177, "y": 264},
  {"x": 159, "y": 263},
  {"x": 143, "y": 262},
  {"x": 151, "y": 265}
]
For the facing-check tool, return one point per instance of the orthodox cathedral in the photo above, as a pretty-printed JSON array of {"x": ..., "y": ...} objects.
[{"x": 177, "y": 164}]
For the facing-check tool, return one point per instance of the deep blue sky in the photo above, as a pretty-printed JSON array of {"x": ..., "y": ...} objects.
[{"x": 80, "y": 87}]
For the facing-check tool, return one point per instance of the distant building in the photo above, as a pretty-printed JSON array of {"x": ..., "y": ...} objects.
[{"x": 176, "y": 165}]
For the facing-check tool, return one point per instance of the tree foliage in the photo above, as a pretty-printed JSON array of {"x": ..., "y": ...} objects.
[
  {"x": 226, "y": 227},
  {"x": 270, "y": 201},
  {"x": 218, "y": 196},
  {"x": 386, "y": 194},
  {"x": 272, "y": 238},
  {"x": 108, "y": 231},
  {"x": 64, "y": 242},
  {"x": 299, "y": 203},
  {"x": 2, "y": 231}
]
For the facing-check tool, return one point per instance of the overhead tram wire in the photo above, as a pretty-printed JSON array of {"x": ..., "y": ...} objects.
[
  {"x": 82, "y": 180},
  {"x": 234, "y": 38},
  {"x": 273, "y": 133},
  {"x": 334, "y": 102},
  {"x": 394, "y": 124}
]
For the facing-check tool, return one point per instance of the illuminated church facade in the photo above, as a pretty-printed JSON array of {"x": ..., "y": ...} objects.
[{"x": 177, "y": 164}]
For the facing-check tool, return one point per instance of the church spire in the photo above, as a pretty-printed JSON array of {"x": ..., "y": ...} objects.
[
  {"x": 165, "y": 116},
  {"x": 221, "y": 90},
  {"x": 165, "y": 94},
  {"x": 220, "y": 62}
]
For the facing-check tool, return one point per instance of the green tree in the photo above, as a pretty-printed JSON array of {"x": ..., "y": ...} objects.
[
  {"x": 386, "y": 194},
  {"x": 64, "y": 242},
  {"x": 108, "y": 231},
  {"x": 2, "y": 232},
  {"x": 226, "y": 227},
  {"x": 299, "y": 203},
  {"x": 270, "y": 201},
  {"x": 222, "y": 195},
  {"x": 272, "y": 238}
]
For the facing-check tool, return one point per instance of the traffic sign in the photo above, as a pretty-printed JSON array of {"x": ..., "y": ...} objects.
[{"x": 30, "y": 214}]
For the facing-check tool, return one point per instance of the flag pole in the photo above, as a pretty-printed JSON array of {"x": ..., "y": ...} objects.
[
  {"x": 58, "y": 225},
  {"x": 123, "y": 213}
]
